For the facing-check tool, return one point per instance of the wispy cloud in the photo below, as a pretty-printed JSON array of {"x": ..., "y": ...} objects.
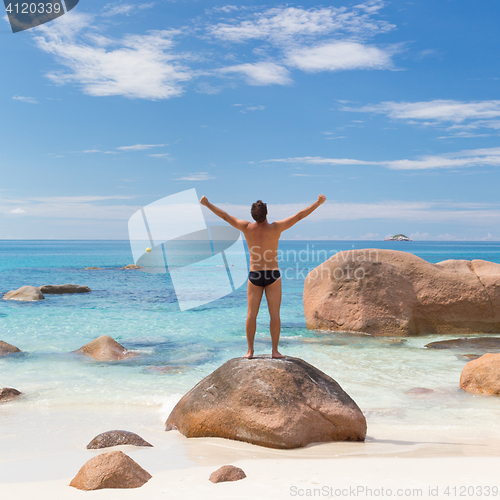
[
  {"x": 455, "y": 115},
  {"x": 260, "y": 73},
  {"x": 114, "y": 9},
  {"x": 160, "y": 155},
  {"x": 140, "y": 147},
  {"x": 489, "y": 157},
  {"x": 135, "y": 66},
  {"x": 30, "y": 100},
  {"x": 336, "y": 56},
  {"x": 198, "y": 176}
]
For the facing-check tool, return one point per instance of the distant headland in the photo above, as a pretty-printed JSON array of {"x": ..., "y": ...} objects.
[{"x": 398, "y": 237}]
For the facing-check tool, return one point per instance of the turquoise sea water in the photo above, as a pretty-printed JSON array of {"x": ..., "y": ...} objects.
[{"x": 177, "y": 349}]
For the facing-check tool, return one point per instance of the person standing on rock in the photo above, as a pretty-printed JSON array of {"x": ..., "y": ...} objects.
[{"x": 262, "y": 239}]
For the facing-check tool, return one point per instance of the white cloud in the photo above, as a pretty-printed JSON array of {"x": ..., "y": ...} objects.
[
  {"x": 489, "y": 157},
  {"x": 160, "y": 155},
  {"x": 198, "y": 176},
  {"x": 261, "y": 73},
  {"x": 17, "y": 211},
  {"x": 281, "y": 25},
  {"x": 135, "y": 66},
  {"x": 114, "y": 9},
  {"x": 335, "y": 56},
  {"x": 30, "y": 100},
  {"x": 462, "y": 115},
  {"x": 140, "y": 147}
]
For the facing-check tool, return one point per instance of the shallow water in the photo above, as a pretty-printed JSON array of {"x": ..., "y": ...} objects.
[{"x": 176, "y": 349}]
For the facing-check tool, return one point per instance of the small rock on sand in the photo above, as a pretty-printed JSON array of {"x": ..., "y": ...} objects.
[
  {"x": 110, "y": 470},
  {"x": 8, "y": 393},
  {"x": 116, "y": 438},
  {"x": 227, "y": 473}
]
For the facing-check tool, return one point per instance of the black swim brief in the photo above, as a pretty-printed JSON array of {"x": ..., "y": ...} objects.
[{"x": 264, "y": 278}]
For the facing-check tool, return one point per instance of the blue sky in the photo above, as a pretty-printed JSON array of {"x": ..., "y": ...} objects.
[{"x": 391, "y": 109}]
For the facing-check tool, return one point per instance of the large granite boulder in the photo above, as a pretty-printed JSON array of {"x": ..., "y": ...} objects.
[
  {"x": 8, "y": 393},
  {"x": 278, "y": 403},
  {"x": 116, "y": 438},
  {"x": 386, "y": 292},
  {"x": 482, "y": 375},
  {"x": 6, "y": 349},
  {"x": 104, "y": 348},
  {"x": 25, "y": 293},
  {"x": 66, "y": 288},
  {"x": 110, "y": 470}
]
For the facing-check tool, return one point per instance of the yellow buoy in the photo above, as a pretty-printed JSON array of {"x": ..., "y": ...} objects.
[{"x": 148, "y": 249}]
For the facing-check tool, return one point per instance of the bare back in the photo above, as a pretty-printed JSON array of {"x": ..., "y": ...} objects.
[{"x": 262, "y": 239}]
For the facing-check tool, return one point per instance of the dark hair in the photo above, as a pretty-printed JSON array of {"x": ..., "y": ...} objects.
[{"x": 259, "y": 211}]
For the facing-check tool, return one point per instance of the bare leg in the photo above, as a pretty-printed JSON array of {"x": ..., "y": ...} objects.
[
  {"x": 273, "y": 296},
  {"x": 254, "y": 296}
]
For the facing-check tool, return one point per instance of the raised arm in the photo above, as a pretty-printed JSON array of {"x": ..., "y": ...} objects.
[
  {"x": 287, "y": 223},
  {"x": 237, "y": 223}
]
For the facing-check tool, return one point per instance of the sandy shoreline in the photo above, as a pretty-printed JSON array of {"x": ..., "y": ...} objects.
[{"x": 42, "y": 451}]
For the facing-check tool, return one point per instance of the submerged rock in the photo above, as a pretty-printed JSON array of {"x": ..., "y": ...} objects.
[
  {"x": 116, "y": 438},
  {"x": 110, "y": 470},
  {"x": 419, "y": 390},
  {"x": 387, "y": 292},
  {"x": 132, "y": 266},
  {"x": 25, "y": 293},
  {"x": 488, "y": 343},
  {"x": 104, "y": 348},
  {"x": 227, "y": 473},
  {"x": 93, "y": 268},
  {"x": 8, "y": 393},
  {"x": 6, "y": 349},
  {"x": 482, "y": 375},
  {"x": 66, "y": 288},
  {"x": 278, "y": 403}
]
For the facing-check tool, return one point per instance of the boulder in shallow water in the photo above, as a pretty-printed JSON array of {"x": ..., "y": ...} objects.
[
  {"x": 227, "y": 473},
  {"x": 104, "y": 348},
  {"x": 8, "y": 393},
  {"x": 66, "y": 288},
  {"x": 116, "y": 438},
  {"x": 93, "y": 268},
  {"x": 6, "y": 349},
  {"x": 387, "y": 292},
  {"x": 110, "y": 470},
  {"x": 482, "y": 375},
  {"x": 487, "y": 343},
  {"x": 278, "y": 403},
  {"x": 25, "y": 294},
  {"x": 132, "y": 266}
]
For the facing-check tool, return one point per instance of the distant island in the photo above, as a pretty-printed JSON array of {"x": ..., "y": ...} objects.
[{"x": 398, "y": 237}]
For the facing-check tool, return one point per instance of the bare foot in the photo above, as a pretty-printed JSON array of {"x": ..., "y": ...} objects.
[
  {"x": 249, "y": 354},
  {"x": 277, "y": 355}
]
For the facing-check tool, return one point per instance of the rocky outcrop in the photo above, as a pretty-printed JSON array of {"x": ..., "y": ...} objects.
[
  {"x": 110, "y": 470},
  {"x": 8, "y": 393},
  {"x": 486, "y": 343},
  {"x": 482, "y": 375},
  {"x": 386, "y": 292},
  {"x": 227, "y": 473},
  {"x": 6, "y": 349},
  {"x": 116, "y": 438},
  {"x": 25, "y": 293},
  {"x": 66, "y": 288},
  {"x": 104, "y": 348},
  {"x": 132, "y": 266},
  {"x": 278, "y": 403}
]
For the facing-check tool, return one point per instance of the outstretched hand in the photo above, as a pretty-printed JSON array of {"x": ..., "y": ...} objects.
[
  {"x": 204, "y": 201},
  {"x": 321, "y": 199}
]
